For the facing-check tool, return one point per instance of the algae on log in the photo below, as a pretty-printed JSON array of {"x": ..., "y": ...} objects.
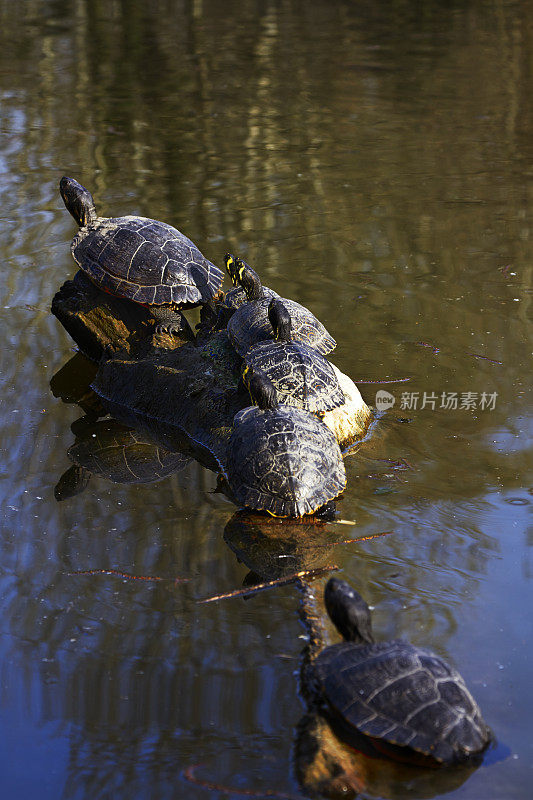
[{"x": 193, "y": 388}]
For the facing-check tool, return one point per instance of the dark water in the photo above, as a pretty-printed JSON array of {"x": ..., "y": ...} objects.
[{"x": 373, "y": 161}]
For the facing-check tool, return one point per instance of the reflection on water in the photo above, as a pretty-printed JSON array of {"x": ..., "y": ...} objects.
[
  {"x": 373, "y": 163},
  {"x": 326, "y": 767},
  {"x": 118, "y": 453}
]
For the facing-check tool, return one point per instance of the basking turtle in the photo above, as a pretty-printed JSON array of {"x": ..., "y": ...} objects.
[
  {"x": 412, "y": 704},
  {"x": 140, "y": 259},
  {"x": 301, "y": 376},
  {"x": 280, "y": 459},
  {"x": 248, "y": 288},
  {"x": 251, "y": 324}
]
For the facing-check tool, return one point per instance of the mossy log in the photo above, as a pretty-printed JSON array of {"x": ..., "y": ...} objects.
[{"x": 171, "y": 381}]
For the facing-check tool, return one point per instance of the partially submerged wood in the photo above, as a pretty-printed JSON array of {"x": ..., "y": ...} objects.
[
  {"x": 193, "y": 387},
  {"x": 101, "y": 323},
  {"x": 248, "y": 591}
]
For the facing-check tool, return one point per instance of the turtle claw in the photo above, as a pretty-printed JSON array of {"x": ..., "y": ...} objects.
[{"x": 172, "y": 328}]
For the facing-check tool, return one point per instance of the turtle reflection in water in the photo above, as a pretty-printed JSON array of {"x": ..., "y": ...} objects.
[
  {"x": 140, "y": 259},
  {"x": 325, "y": 766},
  {"x": 118, "y": 454},
  {"x": 274, "y": 548},
  {"x": 411, "y": 704}
]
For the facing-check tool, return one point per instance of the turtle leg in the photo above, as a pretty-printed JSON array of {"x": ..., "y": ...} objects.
[
  {"x": 208, "y": 318},
  {"x": 327, "y": 512},
  {"x": 171, "y": 320},
  {"x": 72, "y": 482}
]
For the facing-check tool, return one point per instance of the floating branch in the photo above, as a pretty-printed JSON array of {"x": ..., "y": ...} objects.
[{"x": 259, "y": 587}]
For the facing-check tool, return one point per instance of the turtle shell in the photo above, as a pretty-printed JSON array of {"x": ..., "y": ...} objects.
[
  {"x": 146, "y": 261},
  {"x": 236, "y": 298},
  {"x": 250, "y": 325},
  {"x": 302, "y": 376},
  {"x": 284, "y": 461},
  {"x": 123, "y": 455},
  {"x": 404, "y": 696},
  {"x": 233, "y": 300}
]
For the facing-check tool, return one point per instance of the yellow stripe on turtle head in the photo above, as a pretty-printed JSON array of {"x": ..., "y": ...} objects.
[{"x": 228, "y": 261}]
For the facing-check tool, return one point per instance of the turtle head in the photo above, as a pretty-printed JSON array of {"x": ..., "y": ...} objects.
[
  {"x": 231, "y": 269},
  {"x": 78, "y": 201},
  {"x": 348, "y": 612},
  {"x": 248, "y": 278},
  {"x": 262, "y": 390},
  {"x": 280, "y": 319}
]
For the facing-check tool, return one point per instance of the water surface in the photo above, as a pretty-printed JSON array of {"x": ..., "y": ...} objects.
[{"x": 372, "y": 163}]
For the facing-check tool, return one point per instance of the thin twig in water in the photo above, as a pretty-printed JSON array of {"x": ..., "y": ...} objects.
[
  {"x": 399, "y": 464},
  {"x": 189, "y": 775},
  {"x": 485, "y": 358},
  {"x": 366, "y": 538},
  {"x": 118, "y": 574},
  {"x": 468, "y": 353},
  {"x": 356, "y": 540},
  {"x": 387, "y": 380},
  {"x": 431, "y": 346},
  {"x": 259, "y": 587}
]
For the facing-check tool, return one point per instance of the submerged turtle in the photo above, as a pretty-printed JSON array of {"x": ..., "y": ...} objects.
[
  {"x": 301, "y": 376},
  {"x": 251, "y": 324},
  {"x": 413, "y": 705},
  {"x": 280, "y": 459},
  {"x": 140, "y": 259}
]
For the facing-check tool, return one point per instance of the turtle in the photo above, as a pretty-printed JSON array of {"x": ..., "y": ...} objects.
[
  {"x": 412, "y": 704},
  {"x": 117, "y": 453},
  {"x": 302, "y": 376},
  {"x": 251, "y": 324},
  {"x": 248, "y": 287},
  {"x": 140, "y": 259},
  {"x": 281, "y": 459}
]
